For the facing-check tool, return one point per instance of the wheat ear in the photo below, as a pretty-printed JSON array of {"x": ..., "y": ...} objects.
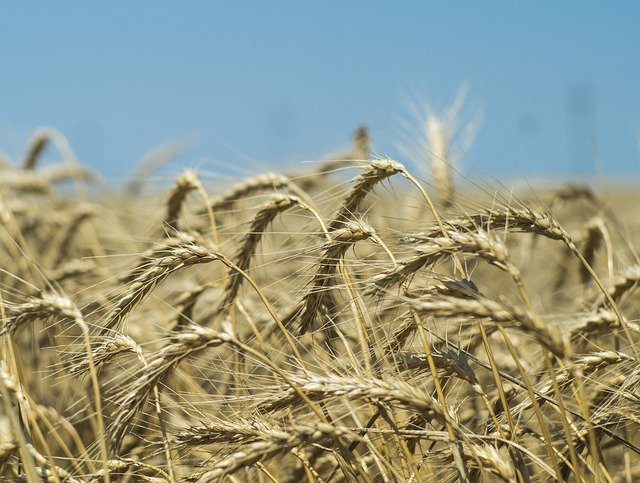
[
  {"x": 38, "y": 142},
  {"x": 501, "y": 313},
  {"x": 278, "y": 204},
  {"x": 379, "y": 170},
  {"x": 181, "y": 345},
  {"x": 149, "y": 163},
  {"x": 432, "y": 250},
  {"x": 270, "y": 442},
  {"x": 319, "y": 295},
  {"x": 187, "y": 182},
  {"x": 247, "y": 187},
  {"x": 163, "y": 261}
]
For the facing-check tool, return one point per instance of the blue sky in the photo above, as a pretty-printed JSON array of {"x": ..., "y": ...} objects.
[{"x": 263, "y": 84}]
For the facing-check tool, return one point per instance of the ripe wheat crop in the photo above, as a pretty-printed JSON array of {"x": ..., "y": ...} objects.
[{"x": 341, "y": 324}]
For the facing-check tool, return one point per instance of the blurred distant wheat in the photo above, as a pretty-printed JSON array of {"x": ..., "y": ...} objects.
[{"x": 295, "y": 328}]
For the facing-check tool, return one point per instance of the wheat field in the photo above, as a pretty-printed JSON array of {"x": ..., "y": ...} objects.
[{"x": 351, "y": 322}]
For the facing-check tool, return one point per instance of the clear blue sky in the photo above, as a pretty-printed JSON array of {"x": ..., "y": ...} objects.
[{"x": 256, "y": 84}]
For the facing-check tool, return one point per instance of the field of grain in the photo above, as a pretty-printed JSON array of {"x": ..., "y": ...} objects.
[{"x": 353, "y": 322}]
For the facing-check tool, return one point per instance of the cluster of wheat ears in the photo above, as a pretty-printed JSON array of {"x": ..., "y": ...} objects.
[{"x": 349, "y": 323}]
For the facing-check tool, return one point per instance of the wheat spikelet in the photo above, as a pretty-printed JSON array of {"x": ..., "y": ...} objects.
[
  {"x": 439, "y": 160},
  {"x": 331, "y": 386},
  {"x": 263, "y": 182},
  {"x": 490, "y": 459},
  {"x": 524, "y": 220},
  {"x": 572, "y": 191},
  {"x": 44, "y": 307},
  {"x": 361, "y": 146},
  {"x": 72, "y": 269},
  {"x": 149, "y": 163},
  {"x": 626, "y": 283},
  {"x": 441, "y": 131},
  {"x": 585, "y": 365},
  {"x": 64, "y": 171},
  {"x": 223, "y": 432},
  {"x": 47, "y": 471},
  {"x": 122, "y": 467},
  {"x": 61, "y": 247},
  {"x": 13, "y": 386},
  {"x": 599, "y": 321},
  {"x": 38, "y": 142},
  {"x": 158, "y": 250},
  {"x": 105, "y": 351},
  {"x": 36, "y": 146},
  {"x": 593, "y": 240},
  {"x": 432, "y": 250},
  {"x": 25, "y": 182}
]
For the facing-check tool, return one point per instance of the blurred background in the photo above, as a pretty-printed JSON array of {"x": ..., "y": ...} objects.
[{"x": 552, "y": 88}]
